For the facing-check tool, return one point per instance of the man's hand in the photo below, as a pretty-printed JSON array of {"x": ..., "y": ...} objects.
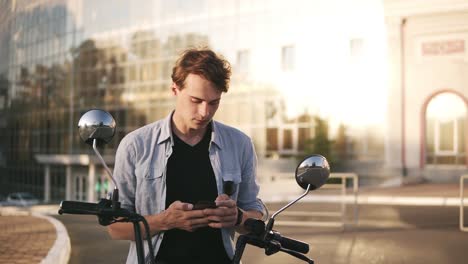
[
  {"x": 223, "y": 216},
  {"x": 180, "y": 215}
]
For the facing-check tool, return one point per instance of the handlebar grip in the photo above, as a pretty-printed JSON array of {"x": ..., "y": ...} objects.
[
  {"x": 72, "y": 207},
  {"x": 254, "y": 226},
  {"x": 292, "y": 244}
]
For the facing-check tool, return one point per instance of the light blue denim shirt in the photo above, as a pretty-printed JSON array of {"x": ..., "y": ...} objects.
[{"x": 140, "y": 172}]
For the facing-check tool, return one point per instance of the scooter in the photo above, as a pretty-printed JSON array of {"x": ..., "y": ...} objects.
[{"x": 97, "y": 127}]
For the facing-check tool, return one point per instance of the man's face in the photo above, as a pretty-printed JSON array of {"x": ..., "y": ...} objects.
[{"x": 196, "y": 103}]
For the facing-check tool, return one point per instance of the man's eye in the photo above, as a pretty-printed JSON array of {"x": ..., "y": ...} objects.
[{"x": 196, "y": 101}]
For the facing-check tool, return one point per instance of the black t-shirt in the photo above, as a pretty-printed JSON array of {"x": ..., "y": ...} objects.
[{"x": 190, "y": 178}]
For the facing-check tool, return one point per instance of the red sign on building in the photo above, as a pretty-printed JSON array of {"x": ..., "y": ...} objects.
[{"x": 446, "y": 47}]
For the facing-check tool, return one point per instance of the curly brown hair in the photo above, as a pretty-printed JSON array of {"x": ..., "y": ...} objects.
[{"x": 203, "y": 62}]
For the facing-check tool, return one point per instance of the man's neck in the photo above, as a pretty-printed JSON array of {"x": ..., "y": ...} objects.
[{"x": 188, "y": 135}]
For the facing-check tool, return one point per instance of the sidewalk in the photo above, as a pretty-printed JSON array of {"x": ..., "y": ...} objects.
[
  {"x": 31, "y": 237},
  {"x": 25, "y": 239}
]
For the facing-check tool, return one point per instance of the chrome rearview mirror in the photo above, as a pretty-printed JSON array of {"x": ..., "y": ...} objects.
[
  {"x": 98, "y": 127},
  {"x": 313, "y": 170},
  {"x": 311, "y": 174},
  {"x": 96, "y": 124}
]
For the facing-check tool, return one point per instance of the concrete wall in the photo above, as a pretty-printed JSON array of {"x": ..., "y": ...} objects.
[{"x": 416, "y": 75}]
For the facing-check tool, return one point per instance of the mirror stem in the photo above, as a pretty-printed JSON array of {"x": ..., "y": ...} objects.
[
  {"x": 271, "y": 222},
  {"x": 291, "y": 203},
  {"x": 103, "y": 163}
]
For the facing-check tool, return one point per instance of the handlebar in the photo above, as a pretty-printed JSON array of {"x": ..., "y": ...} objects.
[
  {"x": 72, "y": 207},
  {"x": 108, "y": 212},
  {"x": 257, "y": 227},
  {"x": 270, "y": 240},
  {"x": 102, "y": 209},
  {"x": 291, "y": 244}
]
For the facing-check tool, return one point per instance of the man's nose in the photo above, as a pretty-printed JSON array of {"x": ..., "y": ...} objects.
[{"x": 204, "y": 110}]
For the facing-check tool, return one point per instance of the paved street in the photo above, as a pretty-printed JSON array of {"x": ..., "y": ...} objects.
[
  {"x": 385, "y": 234},
  {"x": 90, "y": 242}
]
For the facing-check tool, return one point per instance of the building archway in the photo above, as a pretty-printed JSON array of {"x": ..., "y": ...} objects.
[{"x": 444, "y": 123}]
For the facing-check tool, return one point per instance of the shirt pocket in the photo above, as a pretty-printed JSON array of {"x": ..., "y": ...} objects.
[
  {"x": 141, "y": 172},
  {"x": 154, "y": 173},
  {"x": 150, "y": 191}
]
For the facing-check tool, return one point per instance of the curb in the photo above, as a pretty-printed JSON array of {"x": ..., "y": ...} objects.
[{"x": 60, "y": 251}]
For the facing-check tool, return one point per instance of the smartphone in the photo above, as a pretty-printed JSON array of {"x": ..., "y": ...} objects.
[{"x": 203, "y": 205}]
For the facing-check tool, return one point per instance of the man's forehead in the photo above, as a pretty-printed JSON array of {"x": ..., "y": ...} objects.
[{"x": 197, "y": 78}]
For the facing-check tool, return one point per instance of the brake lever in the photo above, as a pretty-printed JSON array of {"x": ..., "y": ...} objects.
[
  {"x": 297, "y": 255},
  {"x": 271, "y": 247}
]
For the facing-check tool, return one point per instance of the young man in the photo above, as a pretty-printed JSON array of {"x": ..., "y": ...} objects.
[{"x": 163, "y": 169}]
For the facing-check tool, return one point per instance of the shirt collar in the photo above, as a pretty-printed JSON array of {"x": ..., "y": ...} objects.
[
  {"x": 215, "y": 135},
  {"x": 166, "y": 132}
]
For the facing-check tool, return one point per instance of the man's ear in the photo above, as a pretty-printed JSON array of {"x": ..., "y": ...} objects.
[{"x": 175, "y": 88}]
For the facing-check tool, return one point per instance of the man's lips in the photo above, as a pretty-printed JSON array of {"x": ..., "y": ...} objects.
[{"x": 201, "y": 121}]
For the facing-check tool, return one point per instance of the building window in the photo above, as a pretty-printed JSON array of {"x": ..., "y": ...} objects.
[
  {"x": 305, "y": 134},
  {"x": 446, "y": 130},
  {"x": 288, "y": 139},
  {"x": 272, "y": 139},
  {"x": 288, "y": 56}
]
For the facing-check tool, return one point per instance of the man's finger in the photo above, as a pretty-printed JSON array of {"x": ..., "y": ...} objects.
[
  {"x": 199, "y": 221},
  {"x": 220, "y": 211},
  {"x": 215, "y": 218},
  {"x": 217, "y": 211},
  {"x": 220, "y": 225},
  {"x": 226, "y": 203},
  {"x": 195, "y": 214},
  {"x": 181, "y": 206},
  {"x": 222, "y": 197},
  {"x": 187, "y": 206}
]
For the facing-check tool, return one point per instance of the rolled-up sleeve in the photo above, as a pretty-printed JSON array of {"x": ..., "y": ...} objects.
[{"x": 249, "y": 188}]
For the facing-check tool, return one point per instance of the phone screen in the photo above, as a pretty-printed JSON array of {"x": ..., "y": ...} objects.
[{"x": 203, "y": 205}]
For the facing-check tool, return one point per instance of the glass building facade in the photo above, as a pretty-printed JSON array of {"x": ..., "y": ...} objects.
[{"x": 60, "y": 58}]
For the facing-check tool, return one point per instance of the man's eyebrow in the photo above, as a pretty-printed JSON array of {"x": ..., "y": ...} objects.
[{"x": 194, "y": 97}]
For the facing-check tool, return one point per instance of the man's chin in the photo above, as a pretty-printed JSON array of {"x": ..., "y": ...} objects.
[{"x": 200, "y": 124}]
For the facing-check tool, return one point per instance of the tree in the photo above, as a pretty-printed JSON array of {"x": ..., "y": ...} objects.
[
  {"x": 340, "y": 147},
  {"x": 320, "y": 144}
]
